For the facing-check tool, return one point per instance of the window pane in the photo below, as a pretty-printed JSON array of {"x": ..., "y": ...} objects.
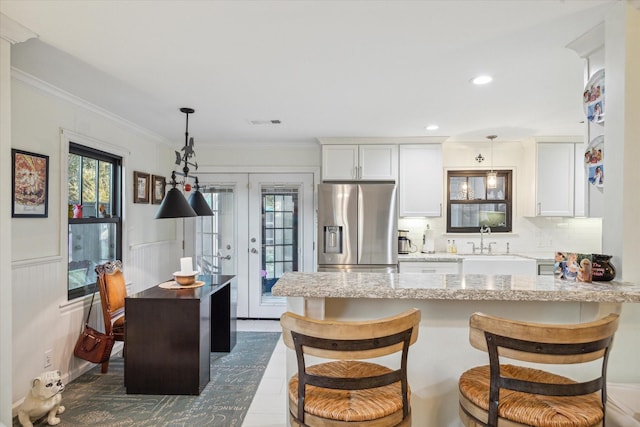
[
  {"x": 74, "y": 178},
  {"x": 90, "y": 245},
  {"x": 497, "y": 193},
  {"x": 458, "y": 188},
  {"x": 477, "y": 187},
  {"x": 105, "y": 179},
  {"x": 493, "y": 215},
  {"x": 89, "y": 173},
  {"x": 465, "y": 216}
]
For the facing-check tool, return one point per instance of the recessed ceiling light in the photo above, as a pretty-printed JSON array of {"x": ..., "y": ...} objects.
[
  {"x": 432, "y": 127},
  {"x": 481, "y": 80}
]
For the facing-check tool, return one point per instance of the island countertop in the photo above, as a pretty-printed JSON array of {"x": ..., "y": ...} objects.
[{"x": 470, "y": 287}]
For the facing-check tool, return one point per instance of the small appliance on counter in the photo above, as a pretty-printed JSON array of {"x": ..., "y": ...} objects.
[
  {"x": 428, "y": 244},
  {"x": 404, "y": 243}
]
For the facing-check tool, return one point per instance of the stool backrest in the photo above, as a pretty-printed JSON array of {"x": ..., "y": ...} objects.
[
  {"x": 351, "y": 331},
  {"x": 543, "y": 343}
]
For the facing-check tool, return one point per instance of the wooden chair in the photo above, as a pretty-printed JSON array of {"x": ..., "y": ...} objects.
[
  {"x": 346, "y": 390},
  {"x": 505, "y": 395},
  {"x": 113, "y": 291}
]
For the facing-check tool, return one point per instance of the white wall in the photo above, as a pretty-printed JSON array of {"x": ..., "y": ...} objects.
[
  {"x": 251, "y": 157},
  {"x": 44, "y": 320}
]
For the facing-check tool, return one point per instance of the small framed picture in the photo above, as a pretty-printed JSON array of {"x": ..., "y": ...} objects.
[
  {"x": 141, "y": 186},
  {"x": 158, "y": 184},
  {"x": 29, "y": 184}
]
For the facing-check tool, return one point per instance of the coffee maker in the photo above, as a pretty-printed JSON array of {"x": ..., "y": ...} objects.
[{"x": 404, "y": 244}]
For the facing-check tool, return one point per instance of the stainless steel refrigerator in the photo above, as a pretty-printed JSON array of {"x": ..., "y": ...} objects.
[{"x": 357, "y": 227}]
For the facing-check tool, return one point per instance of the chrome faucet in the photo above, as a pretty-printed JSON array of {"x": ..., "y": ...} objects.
[{"x": 484, "y": 229}]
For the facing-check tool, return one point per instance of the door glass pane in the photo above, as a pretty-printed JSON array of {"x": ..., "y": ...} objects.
[
  {"x": 279, "y": 235},
  {"x": 211, "y": 231}
]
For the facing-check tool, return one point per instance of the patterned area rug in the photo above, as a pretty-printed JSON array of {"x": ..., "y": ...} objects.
[{"x": 100, "y": 400}]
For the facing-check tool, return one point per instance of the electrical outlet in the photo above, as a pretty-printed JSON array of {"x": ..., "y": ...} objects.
[{"x": 48, "y": 358}]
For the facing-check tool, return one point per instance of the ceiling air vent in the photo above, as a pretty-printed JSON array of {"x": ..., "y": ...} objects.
[{"x": 265, "y": 122}]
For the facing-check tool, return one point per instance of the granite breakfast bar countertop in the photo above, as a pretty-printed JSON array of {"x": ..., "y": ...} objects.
[
  {"x": 446, "y": 302},
  {"x": 471, "y": 287}
]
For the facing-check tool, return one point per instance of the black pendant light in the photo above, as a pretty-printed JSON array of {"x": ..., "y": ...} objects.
[
  {"x": 174, "y": 204},
  {"x": 198, "y": 203}
]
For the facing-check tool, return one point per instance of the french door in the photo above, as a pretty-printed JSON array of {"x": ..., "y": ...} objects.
[{"x": 263, "y": 226}]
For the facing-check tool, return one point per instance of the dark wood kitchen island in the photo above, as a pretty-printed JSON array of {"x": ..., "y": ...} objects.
[{"x": 170, "y": 334}]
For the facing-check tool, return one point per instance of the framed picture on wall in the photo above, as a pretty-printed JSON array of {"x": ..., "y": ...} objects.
[
  {"x": 29, "y": 184},
  {"x": 158, "y": 184},
  {"x": 141, "y": 186}
]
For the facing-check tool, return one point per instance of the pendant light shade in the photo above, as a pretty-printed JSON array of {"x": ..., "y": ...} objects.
[
  {"x": 492, "y": 176},
  {"x": 198, "y": 203},
  {"x": 174, "y": 205}
]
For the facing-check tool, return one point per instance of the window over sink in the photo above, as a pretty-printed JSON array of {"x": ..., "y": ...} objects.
[{"x": 472, "y": 205}]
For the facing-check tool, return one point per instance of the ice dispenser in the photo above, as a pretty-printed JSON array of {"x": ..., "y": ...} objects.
[{"x": 332, "y": 239}]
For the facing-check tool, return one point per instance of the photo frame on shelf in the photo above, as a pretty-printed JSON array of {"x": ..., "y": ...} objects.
[
  {"x": 141, "y": 184},
  {"x": 158, "y": 187},
  {"x": 29, "y": 185}
]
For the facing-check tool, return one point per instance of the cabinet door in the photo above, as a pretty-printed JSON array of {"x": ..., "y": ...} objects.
[
  {"x": 339, "y": 162},
  {"x": 555, "y": 182},
  {"x": 420, "y": 180},
  {"x": 378, "y": 162}
]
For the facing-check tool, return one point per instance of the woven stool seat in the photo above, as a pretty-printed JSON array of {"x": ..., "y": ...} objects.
[
  {"x": 511, "y": 395},
  {"x": 345, "y": 390},
  {"x": 532, "y": 409},
  {"x": 349, "y": 405}
]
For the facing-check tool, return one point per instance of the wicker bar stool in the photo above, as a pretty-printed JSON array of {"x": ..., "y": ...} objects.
[
  {"x": 506, "y": 395},
  {"x": 345, "y": 390}
]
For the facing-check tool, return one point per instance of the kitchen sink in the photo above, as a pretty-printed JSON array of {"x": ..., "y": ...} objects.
[{"x": 498, "y": 264}]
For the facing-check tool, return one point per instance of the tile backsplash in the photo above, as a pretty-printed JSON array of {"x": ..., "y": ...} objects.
[{"x": 530, "y": 235}]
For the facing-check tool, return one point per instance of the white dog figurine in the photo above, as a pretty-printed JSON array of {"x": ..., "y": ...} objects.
[{"x": 43, "y": 399}]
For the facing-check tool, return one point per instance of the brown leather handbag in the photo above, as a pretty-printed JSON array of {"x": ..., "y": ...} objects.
[{"x": 93, "y": 346}]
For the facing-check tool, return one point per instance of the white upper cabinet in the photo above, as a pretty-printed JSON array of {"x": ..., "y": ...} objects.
[
  {"x": 559, "y": 179},
  {"x": 350, "y": 162},
  {"x": 420, "y": 180}
]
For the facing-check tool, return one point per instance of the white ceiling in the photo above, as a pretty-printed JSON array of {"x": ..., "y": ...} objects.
[{"x": 324, "y": 68}]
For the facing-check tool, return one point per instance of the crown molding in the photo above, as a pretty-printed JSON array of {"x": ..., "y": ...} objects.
[
  {"x": 589, "y": 42},
  {"x": 55, "y": 91},
  {"x": 14, "y": 32},
  {"x": 384, "y": 140}
]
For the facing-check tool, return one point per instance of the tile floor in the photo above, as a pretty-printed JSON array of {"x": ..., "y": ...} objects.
[{"x": 268, "y": 408}]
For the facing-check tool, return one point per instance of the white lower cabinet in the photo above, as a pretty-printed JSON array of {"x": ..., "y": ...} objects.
[{"x": 429, "y": 267}]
